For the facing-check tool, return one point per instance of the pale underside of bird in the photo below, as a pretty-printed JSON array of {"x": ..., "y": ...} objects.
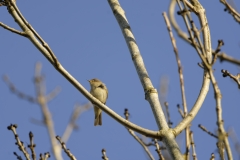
[{"x": 99, "y": 91}]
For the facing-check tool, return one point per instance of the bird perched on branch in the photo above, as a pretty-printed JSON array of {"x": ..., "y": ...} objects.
[{"x": 99, "y": 91}]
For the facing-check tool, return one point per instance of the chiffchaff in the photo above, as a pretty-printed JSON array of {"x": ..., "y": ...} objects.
[{"x": 99, "y": 91}]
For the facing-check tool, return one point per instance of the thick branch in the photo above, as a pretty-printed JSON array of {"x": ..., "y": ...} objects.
[
  {"x": 150, "y": 92},
  {"x": 193, "y": 112}
]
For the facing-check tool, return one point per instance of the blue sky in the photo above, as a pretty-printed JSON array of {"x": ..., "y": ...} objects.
[{"x": 85, "y": 37}]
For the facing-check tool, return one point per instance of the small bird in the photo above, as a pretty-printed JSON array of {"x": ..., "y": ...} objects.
[{"x": 99, "y": 91}]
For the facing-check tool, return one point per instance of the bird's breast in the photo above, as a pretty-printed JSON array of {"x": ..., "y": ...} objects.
[{"x": 100, "y": 94}]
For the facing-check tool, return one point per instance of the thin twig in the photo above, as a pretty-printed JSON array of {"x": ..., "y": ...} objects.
[
  {"x": 13, "y": 30},
  {"x": 148, "y": 144},
  {"x": 208, "y": 132},
  {"x": 17, "y": 92},
  {"x": 236, "y": 78},
  {"x": 44, "y": 156},
  {"x": 180, "y": 110},
  {"x": 126, "y": 114},
  {"x": 18, "y": 157},
  {"x": 72, "y": 122},
  {"x": 180, "y": 72},
  {"x": 231, "y": 10},
  {"x": 32, "y": 146},
  {"x": 158, "y": 150},
  {"x": 194, "y": 154},
  {"x": 178, "y": 63},
  {"x": 44, "y": 44},
  {"x": 20, "y": 144},
  {"x": 220, "y": 44},
  {"x": 212, "y": 156},
  {"x": 53, "y": 94},
  {"x": 224, "y": 57},
  {"x": 104, "y": 155},
  {"x": 67, "y": 151}
]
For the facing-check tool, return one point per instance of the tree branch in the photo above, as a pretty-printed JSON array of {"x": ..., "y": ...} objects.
[
  {"x": 150, "y": 92},
  {"x": 42, "y": 47}
]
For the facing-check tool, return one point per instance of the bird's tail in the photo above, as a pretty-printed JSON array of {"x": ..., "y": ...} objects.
[
  {"x": 98, "y": 116},
  {"x": 98, "y": 120}
]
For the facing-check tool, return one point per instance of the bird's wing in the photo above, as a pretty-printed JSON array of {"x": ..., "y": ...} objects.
[{"x": 103, "y": 86}]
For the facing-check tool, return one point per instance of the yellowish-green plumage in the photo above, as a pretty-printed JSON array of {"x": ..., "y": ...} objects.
[{"x": 99, "y": 91}]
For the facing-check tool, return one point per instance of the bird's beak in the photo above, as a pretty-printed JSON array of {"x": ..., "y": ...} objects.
[{"x": 88, "y": 80}]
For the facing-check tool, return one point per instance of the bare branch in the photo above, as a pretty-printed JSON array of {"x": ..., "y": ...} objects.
[
  {"x": 206, "y": 56},
  {"x": 222, "y": 135},
  {"x": 178, "y": 62},
  {"x": 193, "y": 112},
  {"x": 32, "y": 146},
  {"x": 18, "y": 157},
  {"x": 184, "y": 101},
  {"x": 67, "y": 151},
  {"x": 44, "y": 156},
  {"x": 231, "y": 10},
  {"x": 212, "y": 156},
  {"x": 206, "y": 82},
  {"x": 20, "y": 144},
  {"x": 236, "y": 78},
  {"x": 72, "y": 123},
  {"x": 180, "y": 111},
  {"x": 194, "y": 154},
  {"x": 17, "y": 92},
  {"x": 104, "y": 157},
  {"x": 126, "y": 114},
  {"x": 47, "y": 117},
  {"x": 215, "y": 54},
  {"x": 208, "y": 132},
  {"x": 158, "y": 150},
  {"x": 46, "y": 51},
  {"x": 150, "y": 92},
  {"x": 27, "y": 25},
  {"x": 12, "y": 30},
  {"x": 53, "y": 94},
  {"x": 222, "y": 56}
]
